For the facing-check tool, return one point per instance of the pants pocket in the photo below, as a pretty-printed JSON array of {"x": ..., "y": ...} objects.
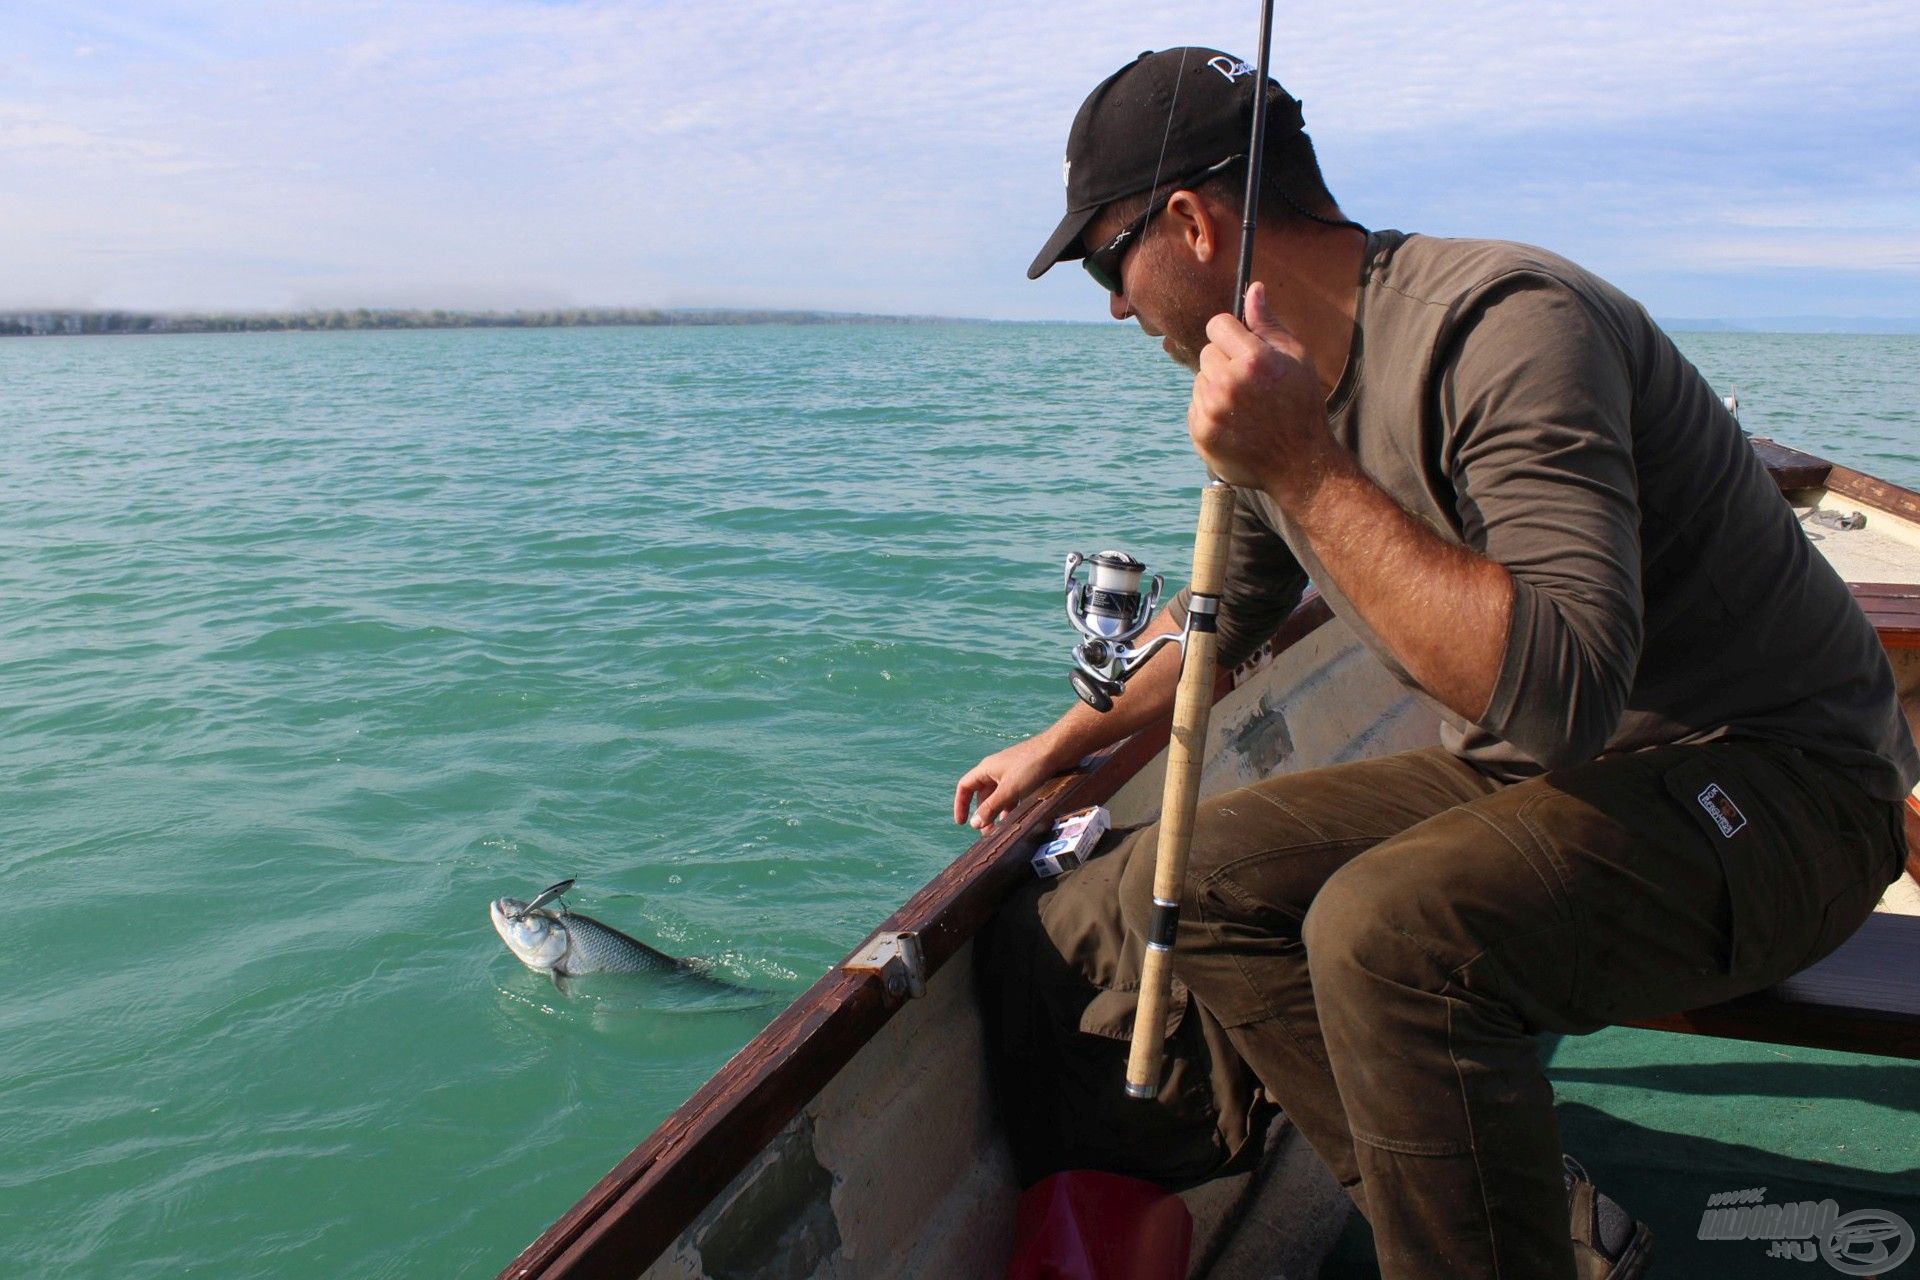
[{"x": 1724, "y": 805}]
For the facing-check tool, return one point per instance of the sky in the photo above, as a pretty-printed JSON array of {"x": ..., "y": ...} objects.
[{"x": 1716, "y": 160}]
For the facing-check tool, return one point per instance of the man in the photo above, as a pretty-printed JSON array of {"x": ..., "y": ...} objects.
[{"x": 1672, "y": 756}]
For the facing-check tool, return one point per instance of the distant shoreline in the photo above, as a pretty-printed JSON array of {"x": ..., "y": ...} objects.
[
  {"x": 1859, "y": 326},
  {"x": 56, "y": 323},
  {"x": 38, "y": 323}
]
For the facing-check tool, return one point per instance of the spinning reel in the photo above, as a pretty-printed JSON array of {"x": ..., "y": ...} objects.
[{"x": 1107, "y": 608}]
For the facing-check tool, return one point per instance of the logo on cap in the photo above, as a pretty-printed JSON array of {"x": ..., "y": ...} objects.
[
  {"x": 1231, "y": 68},
  {"x": 1066, "y": 172}
]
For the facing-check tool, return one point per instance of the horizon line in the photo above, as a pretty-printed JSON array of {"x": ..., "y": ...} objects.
[{"x": 30, "y": 321}]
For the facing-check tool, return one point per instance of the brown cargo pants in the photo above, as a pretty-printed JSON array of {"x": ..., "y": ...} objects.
[{"x": 1380, "y": 941}]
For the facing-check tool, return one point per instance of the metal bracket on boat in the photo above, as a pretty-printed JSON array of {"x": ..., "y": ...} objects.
[{"x": 897, "y": 959}]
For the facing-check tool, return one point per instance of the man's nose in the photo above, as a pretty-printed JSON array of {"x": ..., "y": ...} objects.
[{"x": 1117, "y": 304}]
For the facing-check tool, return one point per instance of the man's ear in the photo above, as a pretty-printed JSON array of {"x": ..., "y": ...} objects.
[{"x": 1198, "y": 224}]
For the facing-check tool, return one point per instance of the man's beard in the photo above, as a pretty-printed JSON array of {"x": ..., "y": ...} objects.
[{"x": 1188, "y": 312}]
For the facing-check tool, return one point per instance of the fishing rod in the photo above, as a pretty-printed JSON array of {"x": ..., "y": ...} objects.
[{"x": 1108, "y": 610}]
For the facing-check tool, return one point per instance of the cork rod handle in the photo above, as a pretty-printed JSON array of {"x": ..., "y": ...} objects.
[{"x": 1186, "y": 752}]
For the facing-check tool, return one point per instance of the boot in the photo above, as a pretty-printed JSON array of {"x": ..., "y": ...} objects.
[{"x": 1607, "y": 1243}]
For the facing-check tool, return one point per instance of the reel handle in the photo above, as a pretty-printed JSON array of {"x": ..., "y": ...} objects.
[{"x": 1094, "y": 691}]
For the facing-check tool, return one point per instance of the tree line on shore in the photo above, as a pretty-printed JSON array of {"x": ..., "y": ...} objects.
[{"x": 44, "y": 323}]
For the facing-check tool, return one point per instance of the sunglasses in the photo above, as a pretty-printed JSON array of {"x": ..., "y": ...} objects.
[{"x": 1104, "y": 263}]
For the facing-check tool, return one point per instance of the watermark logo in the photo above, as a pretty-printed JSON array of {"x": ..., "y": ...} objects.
[{"x": 1866, "y": 1242}]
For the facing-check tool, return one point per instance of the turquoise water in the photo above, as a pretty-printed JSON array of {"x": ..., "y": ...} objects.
[{"x": 311, "y": 644}]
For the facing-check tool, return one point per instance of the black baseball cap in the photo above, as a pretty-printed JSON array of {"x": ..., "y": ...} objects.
[{"x": 1172, "y": 115}]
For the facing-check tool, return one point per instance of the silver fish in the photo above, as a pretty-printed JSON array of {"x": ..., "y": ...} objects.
[{"x": 566, "y": 944}]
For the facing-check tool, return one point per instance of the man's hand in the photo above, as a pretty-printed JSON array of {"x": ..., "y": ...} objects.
[
  {"x": 1259, "y": 415},
  {"x": 1003, "y": 779}
]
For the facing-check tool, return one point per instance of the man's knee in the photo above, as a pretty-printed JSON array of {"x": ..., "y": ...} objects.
[
  {"x": 1453, "y": 911},
  {"x": 1372, "y": 925}
]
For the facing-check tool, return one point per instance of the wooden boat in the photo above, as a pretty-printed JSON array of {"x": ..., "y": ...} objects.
[{"x": 854, "y": 1136}]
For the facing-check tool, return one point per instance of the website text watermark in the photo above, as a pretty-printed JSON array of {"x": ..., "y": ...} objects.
[{"x": 1865, "y": 1242}]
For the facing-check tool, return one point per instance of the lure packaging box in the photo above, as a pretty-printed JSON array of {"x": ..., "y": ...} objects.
[{"x": 1072, "y": 840}]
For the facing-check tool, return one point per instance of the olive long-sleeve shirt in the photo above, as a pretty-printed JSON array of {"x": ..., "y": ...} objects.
[{"x": 1663, "y": 590}]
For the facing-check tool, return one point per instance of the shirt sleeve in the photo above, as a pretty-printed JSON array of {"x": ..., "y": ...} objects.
[
  {"x": 1264, "y": 583},
  {"x": 1537, "y": 395}
]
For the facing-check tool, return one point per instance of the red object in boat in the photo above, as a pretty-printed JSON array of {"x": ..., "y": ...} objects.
[{"x": 1083, "y": 1225}]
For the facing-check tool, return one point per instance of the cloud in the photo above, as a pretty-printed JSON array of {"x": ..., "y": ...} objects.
[{"x": 888, "y": 156}]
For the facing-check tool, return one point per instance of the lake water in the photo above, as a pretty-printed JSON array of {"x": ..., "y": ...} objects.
[{"x": 311, "y": 644}]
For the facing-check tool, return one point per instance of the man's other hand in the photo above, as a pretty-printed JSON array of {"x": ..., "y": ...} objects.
[{"x": 1002, "y": 780}]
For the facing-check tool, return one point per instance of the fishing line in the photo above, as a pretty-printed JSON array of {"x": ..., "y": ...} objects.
[{"x": 1173, "y": 104}]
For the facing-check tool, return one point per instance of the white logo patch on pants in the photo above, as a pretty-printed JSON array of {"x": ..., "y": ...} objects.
[{"x": 1720, "y": 807}]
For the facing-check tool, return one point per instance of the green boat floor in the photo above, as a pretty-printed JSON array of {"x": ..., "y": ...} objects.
[{"x": 1662, "y": 1122}]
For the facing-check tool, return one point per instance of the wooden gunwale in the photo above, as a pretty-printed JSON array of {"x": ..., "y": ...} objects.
[
  {"x": 1793, "y": 470},
  {"x": 1849, "y": 483},
  {"x": 644, "y": 1203},
  {"x": 1894, "y": 608},
  {"x": 1790, "y": 468}
]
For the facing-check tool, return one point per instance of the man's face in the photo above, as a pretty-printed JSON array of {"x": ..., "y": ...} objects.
[{"x": 1170, "y": 290}]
